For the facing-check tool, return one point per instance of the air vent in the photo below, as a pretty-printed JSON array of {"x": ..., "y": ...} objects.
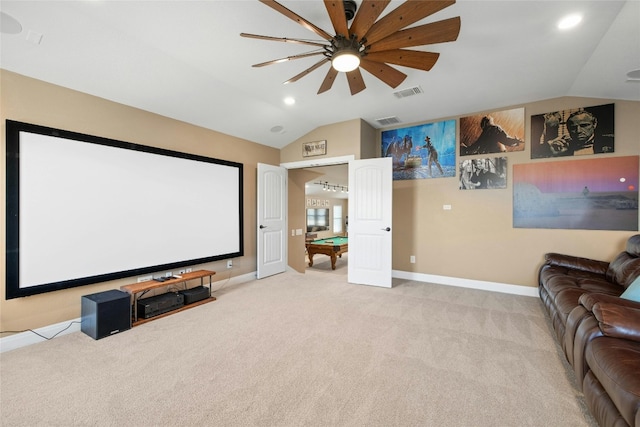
[
  {"x": 408, "y": 92},
  {"x": 386, "y": 121}
]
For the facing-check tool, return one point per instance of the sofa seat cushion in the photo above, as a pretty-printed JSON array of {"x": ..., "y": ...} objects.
[{"x": 614, "y": 363}]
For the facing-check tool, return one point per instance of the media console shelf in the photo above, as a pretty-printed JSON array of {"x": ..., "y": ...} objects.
[{"x": 139, "y": 289}]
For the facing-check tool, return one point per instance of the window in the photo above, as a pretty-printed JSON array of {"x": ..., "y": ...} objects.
[
  {"x": 317, "y": 220},
  {"x": 337, "y": 219}
]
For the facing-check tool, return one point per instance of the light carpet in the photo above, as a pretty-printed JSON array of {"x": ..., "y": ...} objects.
[{"x": 307, "y": 350}]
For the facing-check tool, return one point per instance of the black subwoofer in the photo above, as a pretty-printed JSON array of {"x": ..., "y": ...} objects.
[{"x": 105, "y": 313}]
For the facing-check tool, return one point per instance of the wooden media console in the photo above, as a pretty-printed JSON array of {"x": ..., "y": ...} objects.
[{"x": 139, "y": 289}]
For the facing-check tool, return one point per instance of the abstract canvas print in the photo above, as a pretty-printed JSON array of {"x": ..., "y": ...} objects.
[
  {"x": 591, "y": 194},
  {"x": 497, "y": 132},
  {"x": 573, "y": 132},
  {"x": 422, "y": 151}
]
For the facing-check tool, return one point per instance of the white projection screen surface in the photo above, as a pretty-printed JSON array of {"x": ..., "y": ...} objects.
[{"x": 83, "y": 209}]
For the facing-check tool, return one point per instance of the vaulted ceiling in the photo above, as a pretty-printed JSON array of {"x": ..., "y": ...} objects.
[{"x": 186, "y": 60}]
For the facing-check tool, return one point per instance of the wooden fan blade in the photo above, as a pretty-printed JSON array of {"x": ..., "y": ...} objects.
[
  {"x": 307, "y": 71},
  {"x": 299, "y": 19},
  {"x": 366, "y": 16},
  {"x": 436, "y": 32},
  {"x": 403, "y": 16},
  {"x": 356, "y": 82},
  {"x": 288, "y": 58},
  {"x": 387, "y": 74},
  {"x": 283, "y": 39},
  {"x": 407, "y": 58},
  {"x": 328, "y": 80},
  {"x": 335, "y": 9}
]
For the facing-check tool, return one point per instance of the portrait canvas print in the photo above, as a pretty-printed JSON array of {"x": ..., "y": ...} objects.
[
  {"x": 574, "y": 132},
  {"x": 497, "y": 132},
  {"x": 483, "y": 173},
  {"x": 591, "y": 194},
  {"x": 422, "y": 151}
]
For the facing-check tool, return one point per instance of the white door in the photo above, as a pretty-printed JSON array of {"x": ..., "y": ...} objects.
[
  {"x": 272, "y": 220},
  {"x": 370, "y": 197}
]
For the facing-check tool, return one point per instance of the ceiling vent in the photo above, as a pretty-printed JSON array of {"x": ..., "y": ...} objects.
[
  {"x": 408, "y": 92},
  {"x": 387, "y": 121}
]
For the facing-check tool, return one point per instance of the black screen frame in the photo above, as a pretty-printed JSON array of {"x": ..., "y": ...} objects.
[{"x": 12, "y": 249}]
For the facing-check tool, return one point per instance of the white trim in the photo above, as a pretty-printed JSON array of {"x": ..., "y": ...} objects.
[
  {"x": 318, "y": 162},
  {"x": 467, "y": 283},
  {"x": 24, "y": 339}
]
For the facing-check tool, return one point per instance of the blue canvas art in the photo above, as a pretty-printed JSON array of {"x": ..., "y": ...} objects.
[{"x": 422, "y": 151}]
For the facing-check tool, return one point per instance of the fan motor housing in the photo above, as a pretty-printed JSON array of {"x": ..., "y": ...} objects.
[{"x": 349, "y": 9}]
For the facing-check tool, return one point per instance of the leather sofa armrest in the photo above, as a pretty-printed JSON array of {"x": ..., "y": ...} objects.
[
  {"x": 577, "y": 263},
  {"x": 588, "y": 300},
  {"x": 618, "y": 321}
]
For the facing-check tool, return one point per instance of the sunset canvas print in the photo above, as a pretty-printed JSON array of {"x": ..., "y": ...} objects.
[{"x": 594, "y": 194}]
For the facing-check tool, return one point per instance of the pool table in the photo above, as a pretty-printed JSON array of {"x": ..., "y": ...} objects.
[{"x": 333, "y": 247}]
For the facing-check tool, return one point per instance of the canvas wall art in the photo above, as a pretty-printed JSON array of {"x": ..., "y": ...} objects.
[
  {"x": 483, "y": 173},
  {"x": 497, "y": 132},
  {"x": 422, "y": 151},
  {"x": 579, "y": 131},
  {"x": 591, "y": 194}
]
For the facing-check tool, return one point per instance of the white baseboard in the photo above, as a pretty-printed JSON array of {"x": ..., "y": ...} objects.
[
  {"x": 467, "y": 283},
  {"x": 24, "y": 339}
]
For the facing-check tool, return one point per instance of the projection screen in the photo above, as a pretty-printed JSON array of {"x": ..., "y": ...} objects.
[{"x": 83, "y": 209}]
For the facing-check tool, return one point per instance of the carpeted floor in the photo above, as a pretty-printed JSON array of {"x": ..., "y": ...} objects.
[{"x": 307, "y": 349}]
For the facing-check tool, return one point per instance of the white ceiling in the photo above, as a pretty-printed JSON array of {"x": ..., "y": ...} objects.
[{"x": 186, "y": 60}]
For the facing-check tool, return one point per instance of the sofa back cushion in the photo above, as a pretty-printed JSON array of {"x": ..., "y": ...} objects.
[
  {"x": 633, "y": 246},
  {"x": 626, "y": 266},
  {"x": 623, "y": 269}
]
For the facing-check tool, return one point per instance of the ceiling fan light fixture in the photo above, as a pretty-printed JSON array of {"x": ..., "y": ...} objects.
[{"x": 345, "y": 60}]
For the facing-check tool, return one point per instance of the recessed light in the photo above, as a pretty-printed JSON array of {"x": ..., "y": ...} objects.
[
  {"x": 278, "y": 129},
  {"x": 569, "y": 21},
  {"x": 289, "y": 100}
]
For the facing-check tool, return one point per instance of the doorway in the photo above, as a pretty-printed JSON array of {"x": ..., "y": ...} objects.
[{"x": 326, "y": 208}]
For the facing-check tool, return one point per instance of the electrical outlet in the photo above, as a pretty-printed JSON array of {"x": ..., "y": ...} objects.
[
  {"x": 229, "y": 263},
  {"x": 145, "y": 278},
  {"x": 168, "y": 274},
  {"x": 182, "y": 271},
  {"x": 188, "y": 270},
  {"x": 412, "y": 259}
]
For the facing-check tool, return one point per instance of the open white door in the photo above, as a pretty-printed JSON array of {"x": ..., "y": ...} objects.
[
  {"x": 272, "y": 220},
  {"x": 370, "y": 212}
]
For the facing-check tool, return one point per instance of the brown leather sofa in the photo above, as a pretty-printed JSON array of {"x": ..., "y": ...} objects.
[{"x": 598, "y": 331}]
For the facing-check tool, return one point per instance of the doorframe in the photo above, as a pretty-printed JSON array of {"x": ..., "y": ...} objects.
[
  {"x": 303, "y": 164},
  {"x": 318, "y": 162}
]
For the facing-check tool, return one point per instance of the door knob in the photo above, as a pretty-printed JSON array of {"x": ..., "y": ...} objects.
[
  {"x": 262, "y": 226},
  {"x": 386, "y": 229}
]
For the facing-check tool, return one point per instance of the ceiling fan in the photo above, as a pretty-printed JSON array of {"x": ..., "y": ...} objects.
[{"x": 369, "y": 43}]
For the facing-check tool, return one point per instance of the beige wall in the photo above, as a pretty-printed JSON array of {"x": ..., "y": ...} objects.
[
  {"x": 369, "y": 141},
  {"x": 475, "y": 239},
  {"x": 342, "y": 138},
  {"x": 32, "y": 101},
  {"x": 296, "y": 216}
]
